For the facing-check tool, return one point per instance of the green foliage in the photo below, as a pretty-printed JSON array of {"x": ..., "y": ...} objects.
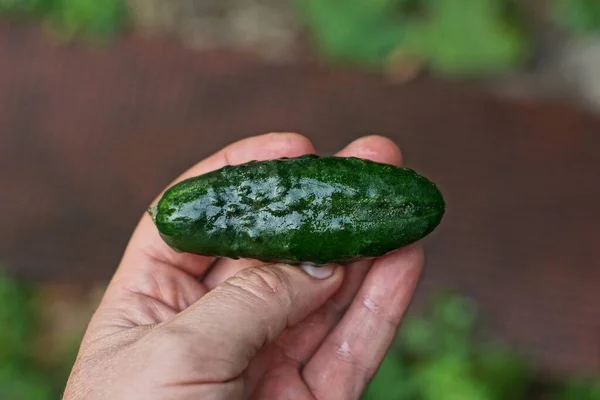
[
  {"x": 392, "y": 381},
  {"x": 16, "y": 312},
  {"x": 450, "y": 377},
  {"x": 24, "y": 6},
  {"x": 579, "y": 16},
  {"x": 441, "y": 356},
  {"x": 451, "y": 37},
  {"x": 70, "y": 18},
  {"x": 361, "y": 31},
  {"x": 467, "y": 37},
  {"x": 504, "y": 373},
  {"x": 581, "y": 389},
  {"x": 438, "y": 356},
  {"x": 22, "y": 375},
  {"x": 449, "y": 328},
  {"x": 89, "y": 17},
  {"x": 23, "y": 382}
]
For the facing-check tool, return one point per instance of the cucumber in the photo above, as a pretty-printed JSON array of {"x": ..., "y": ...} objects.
[{"x": 306, "y": 209}]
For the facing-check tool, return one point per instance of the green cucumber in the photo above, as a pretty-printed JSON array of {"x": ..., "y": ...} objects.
[{"x": 306, "y": 209}]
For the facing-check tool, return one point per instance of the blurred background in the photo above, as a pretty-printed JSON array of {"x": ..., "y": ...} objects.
[{"x": 102, "y": 103}]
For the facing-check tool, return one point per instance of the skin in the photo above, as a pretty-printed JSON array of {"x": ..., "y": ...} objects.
[{"x": 181, "y": 326}]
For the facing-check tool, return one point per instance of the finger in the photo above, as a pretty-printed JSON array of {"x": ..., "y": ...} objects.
[
  {"x": 375, "y": 148},
  {"x": 223, "y": 331},
  {"x": 226, "y": 268},
  {"x": 146, "y": 243},
  {"x": 351, "y": 354}
]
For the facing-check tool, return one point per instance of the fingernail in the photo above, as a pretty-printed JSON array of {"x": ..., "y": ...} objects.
[{"x": 318, "y": 272}]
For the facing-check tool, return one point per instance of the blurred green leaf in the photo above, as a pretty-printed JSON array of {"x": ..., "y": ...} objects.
[
  {"x": 581, "y": 389},
  {"x": 418, "y": 336},
  {"x": 24, "y": 384},
  {"x": 505, "y": 374},
  {"x": 580, "y": 16},
  {"x": 392, "y": 381},
  {"x": 89, "y": 17},
  {"x": 25, "y": 6},
  {"x": 450, "y": 378},
  {"x": 17, "y": 317},
  {"x": 449, "y": 328},
  {"x": 361, "y": 31},
  {"x": 467, "y": 37},
  {"x": 22, "y": 374},
  {"x": 454, "y": 312}
]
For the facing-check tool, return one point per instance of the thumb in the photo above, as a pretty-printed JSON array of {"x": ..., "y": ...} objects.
[{"x": 232, "y": 322}]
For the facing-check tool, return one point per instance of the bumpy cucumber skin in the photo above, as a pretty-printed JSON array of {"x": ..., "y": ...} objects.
[{"x": 306, "y": 209}]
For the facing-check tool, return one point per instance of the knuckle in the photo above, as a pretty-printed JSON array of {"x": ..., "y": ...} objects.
[
  {"x": 263, "y": 278},
  {"x": 380, "y": 312},
  {"x": 344, "y": 352},
  {"x": 268, "y": 284}
]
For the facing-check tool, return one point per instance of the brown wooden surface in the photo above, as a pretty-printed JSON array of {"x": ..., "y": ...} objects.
[{"x": 89, "y": 136}]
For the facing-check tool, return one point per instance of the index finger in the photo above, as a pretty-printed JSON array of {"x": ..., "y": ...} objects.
[{"x": 147, "y": 246}]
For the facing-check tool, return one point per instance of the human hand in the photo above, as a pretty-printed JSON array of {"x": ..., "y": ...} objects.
[{"x": 182, "y": 326}]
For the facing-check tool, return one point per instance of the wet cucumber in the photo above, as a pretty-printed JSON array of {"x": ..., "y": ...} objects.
[{"x": 306, "y": 209}]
